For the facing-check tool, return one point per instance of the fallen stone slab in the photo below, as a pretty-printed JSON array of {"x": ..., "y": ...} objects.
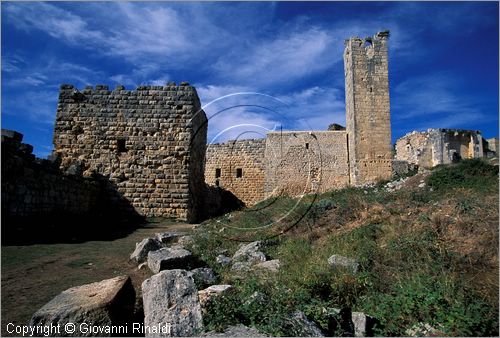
[
  {"x": 363, "y": 324},
  {"x": 175, "y": 257},
  {"x": 212, "y": 292},
  {"x": 108, "y": 303},
  {"x": 142, "y": 249},
  {"x": 169, "y": 236},
  {"x": 236, "y": 331},
  {"x": 345, "y": 262},
  {"x": 171, "y": 297},
  {"x": 203, "y": 277}
]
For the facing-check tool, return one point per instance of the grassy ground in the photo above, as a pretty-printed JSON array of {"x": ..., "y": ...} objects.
[
  {"x": 34, "y": 274},
  {"x": 428, "y": 255}
]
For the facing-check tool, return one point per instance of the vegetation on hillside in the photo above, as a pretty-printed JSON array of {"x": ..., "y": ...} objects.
[{"x": 428, "y": 255}]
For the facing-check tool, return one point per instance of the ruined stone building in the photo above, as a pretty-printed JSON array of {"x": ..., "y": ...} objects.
[
  {"x": 299, "y": 162},
  {"x": 443, "y": 146},
  {"x": 148, "y": 143}
]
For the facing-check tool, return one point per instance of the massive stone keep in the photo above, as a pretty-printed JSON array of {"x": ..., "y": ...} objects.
[{"x": 149, "y": 143}]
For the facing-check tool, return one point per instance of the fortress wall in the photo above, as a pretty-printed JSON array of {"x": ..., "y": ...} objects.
[
  {"x": 223, "y": 162},
  {"x": 36, "y": 187},
  {"x": 299, "y": 162},
  {"x": 149, "y": 143}
]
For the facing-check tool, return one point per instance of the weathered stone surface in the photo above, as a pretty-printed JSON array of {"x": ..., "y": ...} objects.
[
  {"x": 236, "y": 331},
  {"x": 105, "y": 303},
  {"x": 203, "y": 277},
  {"x": 168, "y": 237},
  {"x": 363, "y": 324},
  {"x": 142, "y": 249},
  {"x": 271, "y": 266},
  {"x": 213, "y": 291},
  {"x": 345, "y": 262},
  {"x": 171, "y": 297},
  {"x": 175, "y": 257},
  {"x": 250, "y": 253},
  {"x": 185, "y": 240},
  {"x": 223, "y": 260},
  {"x": 298, "y": 325}
]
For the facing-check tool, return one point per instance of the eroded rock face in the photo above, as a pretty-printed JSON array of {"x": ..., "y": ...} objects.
[
  {"x": 175, "y": 257},
  {"x": 142, "y": 249},
  {"x": 171, "y": 297},
  {"x": 106, "y": 303},
  {"x": 213, "y": 291}
]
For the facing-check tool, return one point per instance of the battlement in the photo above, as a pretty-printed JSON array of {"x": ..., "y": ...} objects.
[{"x": 368, "y": 42}]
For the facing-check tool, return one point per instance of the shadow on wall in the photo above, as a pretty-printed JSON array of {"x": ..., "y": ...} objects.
[
  {"x": 42, "y": 204},
  {"x": 220, "y": 201}
]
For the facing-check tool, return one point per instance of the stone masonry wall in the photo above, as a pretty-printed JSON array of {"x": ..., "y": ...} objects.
[
  {"x": 299, "y": 162},
  {"x": 368, "y": 109},
  {"x": 223, "y": 162},
  {"x": 149, "y": 143},
  {"x": 439, "y": 146},
  {"x": 36, "y": 187}
]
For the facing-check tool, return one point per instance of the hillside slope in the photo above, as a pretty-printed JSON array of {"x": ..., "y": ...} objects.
[{"x": 427, "y": 248}]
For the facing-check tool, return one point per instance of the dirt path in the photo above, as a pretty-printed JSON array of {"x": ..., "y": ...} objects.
[{"x": 34, "y": 274}]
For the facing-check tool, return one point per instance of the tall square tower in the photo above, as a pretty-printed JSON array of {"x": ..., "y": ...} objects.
[{"x": 368, "y": 122}]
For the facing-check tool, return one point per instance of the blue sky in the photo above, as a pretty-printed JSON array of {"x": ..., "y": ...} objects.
[{"x": 443, "y": 60}]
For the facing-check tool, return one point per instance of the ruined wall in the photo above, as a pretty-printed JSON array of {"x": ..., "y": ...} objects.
[
  {"x": 36, "y": 187},
  {"x": 224, "y": 162},
  {"x": 492, "y": 145},
  {"x": 439, "y": 146},
  {"x": 299, "y": 162},
  {"x": 367, "y": 108},
  {"x": 149, "y": 143}
]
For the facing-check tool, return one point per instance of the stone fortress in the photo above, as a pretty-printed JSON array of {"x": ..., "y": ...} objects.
[{"x": 149, "y": 148}]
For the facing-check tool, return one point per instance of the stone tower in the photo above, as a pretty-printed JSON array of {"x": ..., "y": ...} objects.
[{"x": 367, "y": 109}]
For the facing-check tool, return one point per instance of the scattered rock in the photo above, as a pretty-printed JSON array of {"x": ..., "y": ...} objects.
[
  {"x": 175, "y": 257},
  {"x": 171, "y": 297},
  {"x": 203, "y": 277},
  {"x": 257, "y": 298},
  {"x": 250, "y": 253},
  {"x": 346, "y": 262},
  {"x": 185, "y": 240},
  {"x": 241, "y": 266},
  {"x": 363, "y": 324},
  {"x": 213, "y": 291},
  {"x": 223, "y": 260},
  {"x": 106, "y": 303},
  {"x": 142, "y": 249},
  {"x": 272, "y": 265},
  {"x": 168, "y": 237},
  {"x": 299, "y": 326},
  {"x": 422, "y": 330},
  {"x": 421, "y": 185},
  {"x": 235, "y": 331}
]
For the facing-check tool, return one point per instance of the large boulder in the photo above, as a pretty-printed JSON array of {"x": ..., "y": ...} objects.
[
  {"x": 171, "y": 297},
  {"x": 344, "y": 262},
  {"x": 142, "y": 249},
  {"x": 175, "y": 257},
  {"x": 235, "y": 331},
  {"x": 104, "y": 304},
  {"x": 299, "y": 325}
]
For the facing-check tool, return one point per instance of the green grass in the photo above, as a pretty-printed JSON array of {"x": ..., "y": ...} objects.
[{"x": 415, "y": 265}]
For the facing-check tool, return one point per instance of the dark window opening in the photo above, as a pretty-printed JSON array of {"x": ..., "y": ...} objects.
[
  {"x": 371, "y": 89},
  {"x": 217, "y": 172},
  {"x": 216, "y": 183},
  {"x": 239, "y": 172},
  {"x": 120, "y": 146},
  {"x": 307, "y": 145}
]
